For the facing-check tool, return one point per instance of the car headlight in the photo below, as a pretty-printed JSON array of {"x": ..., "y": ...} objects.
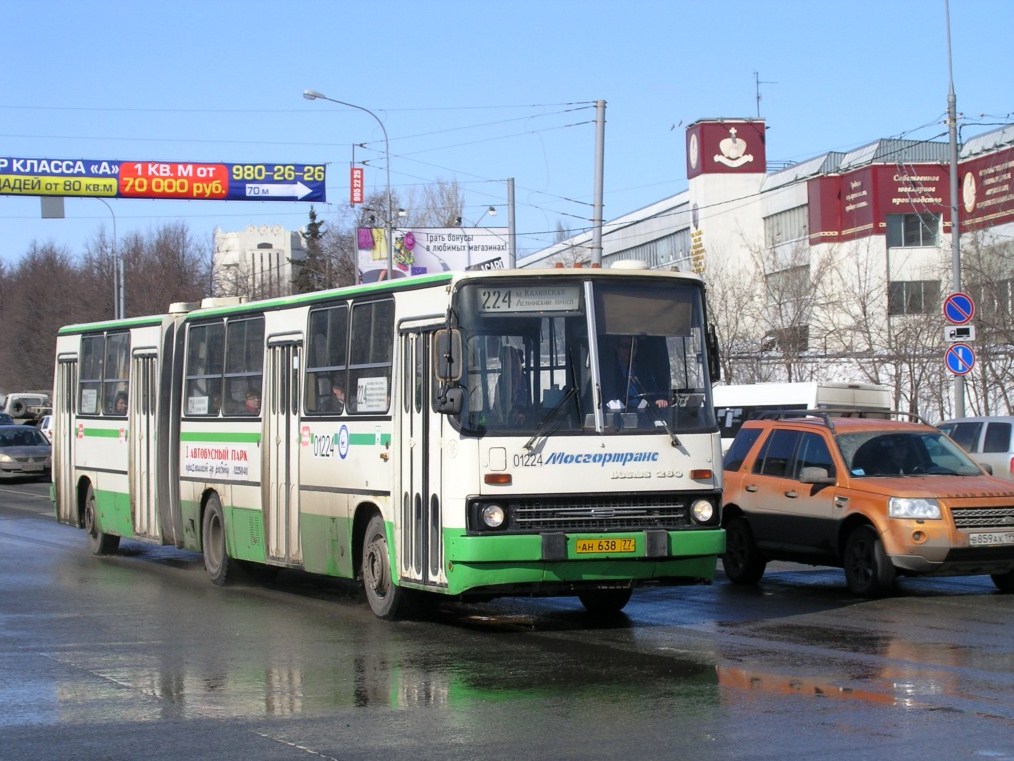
[
  {"x": 6, "y": 458},
  {"x": 702, "y": 510},
  {"x": 493, "y": 516},
  {"x": 918, "y": 509}
]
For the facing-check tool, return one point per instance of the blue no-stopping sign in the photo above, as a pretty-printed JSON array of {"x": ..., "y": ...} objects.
[{"x": 960, "y": 359}]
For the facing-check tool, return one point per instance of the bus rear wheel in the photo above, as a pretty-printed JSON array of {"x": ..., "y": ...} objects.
[
  {"x": 98, "y": 542},
  {"x": 217, "y": 562},
  {"x": 384, "y": 596}
]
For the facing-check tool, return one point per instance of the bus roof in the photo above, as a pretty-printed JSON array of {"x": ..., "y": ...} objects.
[{"x": 212, "y": 309}]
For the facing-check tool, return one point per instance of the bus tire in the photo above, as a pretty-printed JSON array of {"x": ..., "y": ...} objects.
[
  {"x": 98, "y": 542},
  {"x": 868, "y": 570},
  {"x": 604, "y": 602},
  {"x": 217, "y": 562},
  {"x": 384, "y": 596},
  {"x": 742, "y": 560}
]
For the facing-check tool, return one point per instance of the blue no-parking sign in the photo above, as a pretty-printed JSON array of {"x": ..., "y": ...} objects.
[{"x": 959, "y": 308}]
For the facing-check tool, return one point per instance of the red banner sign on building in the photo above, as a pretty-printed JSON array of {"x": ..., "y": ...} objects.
[{"x": 356, "y": 185}]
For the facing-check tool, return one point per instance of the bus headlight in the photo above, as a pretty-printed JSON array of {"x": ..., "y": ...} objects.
[
  {"x": 493, "y": 516},
  {"x": 702, "y": 511}
]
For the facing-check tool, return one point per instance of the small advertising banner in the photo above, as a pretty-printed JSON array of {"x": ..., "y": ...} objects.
[
  {"x": 427, "y": 250},
  {"x": 356, "y": 185}
]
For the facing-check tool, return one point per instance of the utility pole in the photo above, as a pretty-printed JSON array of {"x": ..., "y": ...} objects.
[
  {"x": 952, "y": 130},
  {"x": 600, "y": 141}
]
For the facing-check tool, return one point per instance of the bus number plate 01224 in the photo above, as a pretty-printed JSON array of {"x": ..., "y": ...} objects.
[{"x": 604, "y": 546}]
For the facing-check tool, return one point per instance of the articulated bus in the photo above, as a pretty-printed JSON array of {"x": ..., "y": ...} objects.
[{"x": 470, "y": 434}]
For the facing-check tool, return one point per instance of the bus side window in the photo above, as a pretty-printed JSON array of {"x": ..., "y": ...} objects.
[
  {"x": 372, "y": 349},
  {"x": 244, "y": 363},
  {"x": 203, "y": 390},
  {"x": 326, "y": 360},
  {"x": 90, "y": 378}
]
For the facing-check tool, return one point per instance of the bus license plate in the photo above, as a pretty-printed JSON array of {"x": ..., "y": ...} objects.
[
  {"x": 997, "y": 537},
  {"x": 605, "y": 546}
]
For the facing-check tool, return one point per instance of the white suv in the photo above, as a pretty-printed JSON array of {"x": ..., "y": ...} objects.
[{"x": 989, "y": 439}]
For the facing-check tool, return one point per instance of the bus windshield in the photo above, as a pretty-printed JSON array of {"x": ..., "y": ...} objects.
[{"x": 538, "y": 360}]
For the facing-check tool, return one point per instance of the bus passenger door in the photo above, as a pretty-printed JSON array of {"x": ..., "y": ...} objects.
[
  {"x": 280, "y": 453},
  {"x": 419, "y": 504},
  {"x": 142, "y": 440},
  {"x": 65, "y": 440}
]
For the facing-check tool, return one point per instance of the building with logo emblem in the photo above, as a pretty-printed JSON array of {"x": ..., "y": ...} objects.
[{"x": 835, "y": 268}]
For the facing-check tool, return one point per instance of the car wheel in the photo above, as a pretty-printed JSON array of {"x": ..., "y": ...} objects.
[
  {"x": 868, "y": 571},
  {"x": 604, "y": 602},
  {"x": 98, "y": 542},
  {"x": 384, "y": 596},
  {"x": 1004, "y": 581},
  {"x": 742, "y": 561}
]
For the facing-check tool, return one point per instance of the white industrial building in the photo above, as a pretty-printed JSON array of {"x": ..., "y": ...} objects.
[{"x": 843, "y": 253}]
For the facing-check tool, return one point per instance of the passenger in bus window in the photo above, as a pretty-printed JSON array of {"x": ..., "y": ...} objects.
[
  {"x": 335, "y": 403},
  {"x": 252, "y": 402},
  {"x": 120, "y": 403}
]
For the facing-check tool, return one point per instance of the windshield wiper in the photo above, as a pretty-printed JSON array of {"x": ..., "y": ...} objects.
[
  {"x": 659, "y": 418},
  {"x": 543, "y": 430}
]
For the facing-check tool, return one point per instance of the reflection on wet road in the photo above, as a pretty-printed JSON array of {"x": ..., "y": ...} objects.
[{"x": 796, "y": 668}]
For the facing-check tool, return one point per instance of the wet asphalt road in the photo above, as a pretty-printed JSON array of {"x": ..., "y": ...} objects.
[{"x": 138, "y": 656}]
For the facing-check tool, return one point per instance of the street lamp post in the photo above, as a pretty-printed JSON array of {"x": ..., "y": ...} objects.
[
  {"x": 314, "y": 95},
  {"x": 119, "y": 274}
]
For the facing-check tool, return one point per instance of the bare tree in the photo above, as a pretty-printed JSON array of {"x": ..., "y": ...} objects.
[
  {"x": 789, "y": 275},
  {"x": 988, "y": 268},
  {"x": 439, "y": 204},
  {"x": 40, "y": 294},
  {"x": 732, "y": 294}
]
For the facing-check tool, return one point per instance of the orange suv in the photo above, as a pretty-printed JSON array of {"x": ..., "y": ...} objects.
[{"x": 876, "y": 496}]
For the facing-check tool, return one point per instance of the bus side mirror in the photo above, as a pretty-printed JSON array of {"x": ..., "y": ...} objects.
[
  {"x": 449, "y": 401},
  {"x": 447, "y": 355},
  {"x": 714, "y": 366}
]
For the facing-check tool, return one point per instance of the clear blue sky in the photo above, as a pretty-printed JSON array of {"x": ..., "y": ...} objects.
[{"x": 469, "y": 91}]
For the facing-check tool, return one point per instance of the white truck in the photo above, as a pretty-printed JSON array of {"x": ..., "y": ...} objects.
[{"x": 27, "y": 406}]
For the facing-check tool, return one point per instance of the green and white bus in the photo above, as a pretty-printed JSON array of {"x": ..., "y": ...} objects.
[{"x": 467, "y": 434}]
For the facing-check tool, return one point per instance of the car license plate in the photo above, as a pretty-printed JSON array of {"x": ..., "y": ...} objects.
[
  {"x": 993, "y": 537},
  {"x": 605, "y": 546},
  {"x": 31, "y": 467}
]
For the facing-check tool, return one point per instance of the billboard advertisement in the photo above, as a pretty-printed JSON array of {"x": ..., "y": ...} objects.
[
  {"x": 426, "y": 250},
  {"x": 191, "y": 181}
]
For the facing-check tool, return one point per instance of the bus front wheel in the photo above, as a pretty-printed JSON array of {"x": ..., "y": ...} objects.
[
  {"x": 384, "y": 596},
  {"x": 98, "y": 542},
  {"x": 216, "y": 558},
  {"x": 604, "y": 602}
]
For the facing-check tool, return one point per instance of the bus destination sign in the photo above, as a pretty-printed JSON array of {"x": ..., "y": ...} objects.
[{"x": 173, "y": 180}]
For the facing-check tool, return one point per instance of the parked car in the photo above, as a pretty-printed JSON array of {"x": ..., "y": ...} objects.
[
  {"x": 989, "y": 440},
  {"x": 46, "y": 426},
  {"x": 24, "y": 452},
  {"x": 6, "y": 419},
  {"x": 27, "y": 407},
  {"x": 877, "y": 497}
]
